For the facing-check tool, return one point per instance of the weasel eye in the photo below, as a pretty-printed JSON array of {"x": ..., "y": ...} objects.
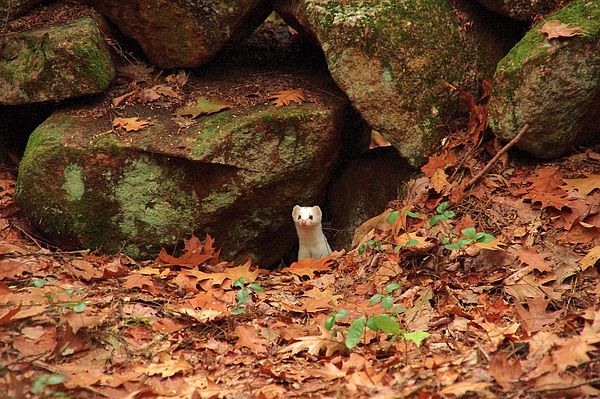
[
  {"x": 310, "y": 217},
  {"x": 299, "y": 217}
]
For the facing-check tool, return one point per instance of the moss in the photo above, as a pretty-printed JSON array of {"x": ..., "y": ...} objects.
[
  {"x": 152, "y": 204},
  {"x": 74, "y": 185}
]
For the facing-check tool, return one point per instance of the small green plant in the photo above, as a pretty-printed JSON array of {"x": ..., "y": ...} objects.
[
  {"x": 394, "y": 215},
  {"x": 442, "y": 214},
  {"x": 373, "y": 244},
  {"x": 137, "y": 320},
  {"x": 471, "y": 236},
  {"x": 243, "y": 295},
  {"x": 386, "y": 323},
  {"x": 42, "y": 383},
  {"x": 38, "y": 282},
  {"x": 76, "y": 306}
]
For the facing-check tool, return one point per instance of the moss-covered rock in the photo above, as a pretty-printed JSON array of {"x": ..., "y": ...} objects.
[
  {"x": 552, "y": 84},
  {"x": 393, "y": 60},
  {"x": 234, "y": 175},
  {"x": 184, "y": 33},
  {"x": 523, "y": 10},
  {"x": 56, "y": 63},
  {"x": 15, "y": 8}
]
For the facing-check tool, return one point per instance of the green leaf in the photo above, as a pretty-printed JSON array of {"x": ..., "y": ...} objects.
[
  {"x": 39, "y": 282},
  {"x": 39, "y": 383},
  {"x": 393, "y": 216},
  {"x": 417, "y": 337},
  {"x": 341, "y": 314},
  {"x": 202, "y": 107},
  {"x": 237, "y": 311},
  {"x": 79, "y": 308},
  {"x": 371, "y": 324},
  {"x": 387, "y": 302},
  {"x": 330, "y": 321},
  {"x": 355, "y": 332},
  {"x": 239, "y": 283},
  {"x": 387, "y": 324},
  {"x": 448, "y": 214},
  {"x": 469, "y": 232},
  {"x": 486, "y": 238},
  {"x": 412, "y": 243},
  {"x": 413, "y": 215},
  {"x": 398, "y": 248},
  {"x": 435, "y": 219},
  {"x": 442, "y": 207},
  {"x": 69, "y": 291},
  {"x": 392, "y": 287},
  {"x": 242, "y": 296},
  {"x": 55, "y": 379},
  {"x": 399, "y": 309},
  {"x": 362, "y": 248},
  {"x": 375, "y": 299},
  {"x": 256, "y": 287}
]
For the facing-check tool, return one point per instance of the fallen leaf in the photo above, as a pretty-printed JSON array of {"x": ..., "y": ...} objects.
[
  {"x": 308, "y": 267},
  {"x": 132, "y": 124},
  {"x": 555, "y": 29},
  {"x": 248, "y": 337},
  {"x": 536, "y": 317},
  {"x": 590, "y": 258},
  {"x": 585, "y": 185},
  {"x": 201, "y": 107},
  {"x": 286, "y": 97},
  {"x": 505, "y": 371}
]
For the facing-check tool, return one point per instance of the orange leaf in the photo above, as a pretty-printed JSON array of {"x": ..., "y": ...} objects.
[
  {"x": 130, "y": 124},
  {"x": 194, "y": 253},
  {"x": 554, "y": 29},
  {"x": 286, "y": 97},
  {"x": 308, "y": 267}
]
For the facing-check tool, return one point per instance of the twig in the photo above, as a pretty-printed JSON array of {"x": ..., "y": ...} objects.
[
  {"x": 487, "y": 167},
  {"x": 5, "y": 27}
]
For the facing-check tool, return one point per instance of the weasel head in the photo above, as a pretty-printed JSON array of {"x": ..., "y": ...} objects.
[{"x": 307, "y": 216}]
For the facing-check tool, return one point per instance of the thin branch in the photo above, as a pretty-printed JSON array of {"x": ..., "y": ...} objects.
[{"x": 487, "y": 167}]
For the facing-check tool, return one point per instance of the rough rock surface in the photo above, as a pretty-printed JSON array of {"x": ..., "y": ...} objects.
[
  {"x": 393, "y": 58},
  {"x": 363, "y": 189},
  {"x": 184, "y": 33},
  {"x": 56, "y": 63},
  {"x": 15, "y": 8},
  {"x": 235, "y": 175},
  {"x": 523, "y": 10},
  {"x": 552, "y": 84}
]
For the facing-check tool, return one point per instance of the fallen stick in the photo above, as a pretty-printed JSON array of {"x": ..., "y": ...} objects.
[{"x": 487, "y": 167}]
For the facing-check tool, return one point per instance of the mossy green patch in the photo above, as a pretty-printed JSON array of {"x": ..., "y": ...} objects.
[
  {"x": 152, "y": 203},
  {"x": 74, "y": 184}
]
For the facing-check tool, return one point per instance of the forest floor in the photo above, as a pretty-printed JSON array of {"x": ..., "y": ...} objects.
[
  {"x": 507, "y": 309},
  {"x": 482, "y": 289}
]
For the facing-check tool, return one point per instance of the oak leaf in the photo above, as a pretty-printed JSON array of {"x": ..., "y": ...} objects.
[
  {"x": 590, "y": 258},
  {"x": 315, "y": 343},
  {"x": 248, "y": 337},
  {"x": 505, "y": 371},
  {"x": 195, "y": 253},
  {"x": 132, "y": 124},
  {"x": 536, "y": 317},
  {"x": 308, "y": 267},
  {"x": 585, "y": 185},
  {"x": 286, "y": 97},
  {"x": 555, "y": 29}
]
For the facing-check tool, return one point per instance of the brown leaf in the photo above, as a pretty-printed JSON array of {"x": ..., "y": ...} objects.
[
  {"x": 435, "y": 162},
  {"x": 585, "y": 185},
  {"x": 504, "y": 371},
  {"x": 536, "y": 317},
  {"x": 286, "y": 97},
  {"x": 132, "y": 124},
  {"x": 202, "y": 107},
  {"x": 308, "y": 267},
  {"x": 248, "y": 337},
  {"x": 555, "y": 29},
  {"x": 590, "y": 258},
  {"x": 439, "y": 180},
  {"x": 195, "y": 253}
]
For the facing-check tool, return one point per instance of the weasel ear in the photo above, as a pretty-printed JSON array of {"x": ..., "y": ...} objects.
[
  {"x": 296, "y": 210},
  {"x": 317, "y": 210}
]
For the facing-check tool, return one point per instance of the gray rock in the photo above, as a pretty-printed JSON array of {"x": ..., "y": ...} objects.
[
  {"x": 393, "y": 58},
  {"x": 184, "y": 33},
  {"x": 363, "y": 189},
  {"x": 235, "y": 175},
  {"x": 552, "y": 84},
  {"x": 56, "y": 63}
]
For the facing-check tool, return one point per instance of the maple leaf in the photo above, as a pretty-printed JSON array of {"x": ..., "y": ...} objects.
[
  {"x": 555, "y": 29},
  {"x": 132, "y": 124},
  {"x": 201, "y": 107},
  {"x": 308, "y": 267},
  {"x": 286, "y": 97},
  {"x": 195, "y": 253}
]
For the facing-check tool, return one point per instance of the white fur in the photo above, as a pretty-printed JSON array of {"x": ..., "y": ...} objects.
[{"x": 312, "y": 241}]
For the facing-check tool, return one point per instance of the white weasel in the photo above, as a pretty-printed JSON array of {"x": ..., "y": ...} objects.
[{"x": 313, "y": 243}]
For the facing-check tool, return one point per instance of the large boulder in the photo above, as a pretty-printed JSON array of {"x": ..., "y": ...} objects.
[
  {"x": 551, "y": 84},
  {"x": 523, "y": 10},
  {"x": 235, "y": 175},
  {"x": 184, "y": 33},
  {"x": 59, "y": 62},
  {"x": 15, "y": 8},
  {"x": 394, "y": 59}
]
